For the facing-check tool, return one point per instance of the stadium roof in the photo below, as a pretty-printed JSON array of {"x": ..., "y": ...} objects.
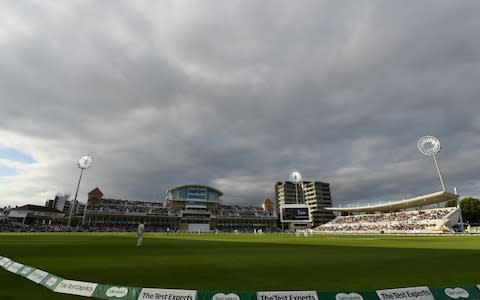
[
  {"x": 424, "y": 200},
  {"x": 196, "y": 185},
  {"x": 31, "y": 207}
]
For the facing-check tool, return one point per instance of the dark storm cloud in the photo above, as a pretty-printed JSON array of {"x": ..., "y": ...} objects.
[{"x": 239, "y": 94}]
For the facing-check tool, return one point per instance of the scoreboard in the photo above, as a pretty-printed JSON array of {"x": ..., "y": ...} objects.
[{"x": 295, "y": 213}]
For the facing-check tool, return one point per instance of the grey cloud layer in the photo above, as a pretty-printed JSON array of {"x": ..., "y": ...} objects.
[{"x": 216, "y": 92}]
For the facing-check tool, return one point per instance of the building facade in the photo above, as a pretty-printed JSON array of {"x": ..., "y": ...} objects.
[
  {"x": 314, "y": 194},
  {"x": 95, "y": 196},
  {"x": 288, "y": 192},
  {"x": 34, "y": 215},
  {"x": 61, "y": 202},
  {"x": 318, "y": 196},
  {"x": 196, "y": 197},
  {"x": 186, "y": 208},
  {"x": 267, "y": 205}
]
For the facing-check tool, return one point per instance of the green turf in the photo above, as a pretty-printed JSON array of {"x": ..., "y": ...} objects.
[{"x": 241, "y": 262}]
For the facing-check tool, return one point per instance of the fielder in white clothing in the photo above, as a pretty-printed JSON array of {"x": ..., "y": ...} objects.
[{"x": 140, "y": 231}]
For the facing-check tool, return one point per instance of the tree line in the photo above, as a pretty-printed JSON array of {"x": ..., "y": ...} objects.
[{"x": 470, "y": 209}]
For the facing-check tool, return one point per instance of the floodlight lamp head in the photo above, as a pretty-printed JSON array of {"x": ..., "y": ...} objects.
[
  {"x": 85, "y": 162},
  {"x": 429, "y": 145},
  {"x": 295, "y": 177}
]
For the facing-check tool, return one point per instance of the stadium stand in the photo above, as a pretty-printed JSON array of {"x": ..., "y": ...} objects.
[
  {"x": 435, "y": 220},
  {"x": 178, "y": 213},
  {"x": 131, "y": 208},
  {"x": 242, "y": 211}
]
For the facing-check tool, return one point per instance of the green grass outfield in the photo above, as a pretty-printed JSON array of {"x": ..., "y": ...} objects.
[{"x": 244, "y": 262}]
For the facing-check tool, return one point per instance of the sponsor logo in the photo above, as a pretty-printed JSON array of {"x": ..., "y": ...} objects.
[
  {"x": 8, "y": 264},
  {"x": 26, "y": 270},
  {"x": 51, "y": 281},
  {"x": 78, "y": 288},
  {"x": 117, "y": 292},
  {"x": 166, "y": 294},
  {"x": 350, "y": 296},
  {"x": 413, "y": 293},
  {"x": 3, "y": 261},
  {"x": 37, "y": 276},
  {"x": 221, "y": 296},
  {"x": 300, "y": 295},
  {"x": 456, "y": 293},
  {"x": 14, "y": 267}
]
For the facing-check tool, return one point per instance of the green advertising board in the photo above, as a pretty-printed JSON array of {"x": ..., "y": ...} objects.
[{"x": 116, "y": 292}]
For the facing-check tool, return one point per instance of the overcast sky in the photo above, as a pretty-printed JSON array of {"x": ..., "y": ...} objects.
[{"x": 237, "y": 95}]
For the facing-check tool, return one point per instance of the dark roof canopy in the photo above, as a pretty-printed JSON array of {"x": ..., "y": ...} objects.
[{"x": 39, "y": 208}]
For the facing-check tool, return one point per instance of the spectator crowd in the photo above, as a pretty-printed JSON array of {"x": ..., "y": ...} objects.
[{"x": 414, "y": 221}]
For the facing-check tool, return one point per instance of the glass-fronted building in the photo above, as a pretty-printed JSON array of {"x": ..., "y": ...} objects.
[{"x": 199, "y": 197}]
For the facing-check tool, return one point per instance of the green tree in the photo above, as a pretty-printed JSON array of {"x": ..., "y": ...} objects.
[
  {"x": 470, "y": 210},
  {"x": 451, "y": 203}
]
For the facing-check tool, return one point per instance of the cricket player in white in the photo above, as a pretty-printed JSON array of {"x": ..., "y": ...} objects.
[{"x": 140, "y": 231}]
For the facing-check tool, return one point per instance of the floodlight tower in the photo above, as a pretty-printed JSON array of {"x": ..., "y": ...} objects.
[
  {"x": 296, "y": 177},
  {"x": 430, "y": 145},
  {"x": 84, "y": 163}
]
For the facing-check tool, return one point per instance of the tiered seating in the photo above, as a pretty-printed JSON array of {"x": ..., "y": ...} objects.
[
  {"x": 415, "y": 221},
  {"x": 241, "y": 211},
  {"x": 140, "y": 208},
  {"x": 128, "y": 207}
]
